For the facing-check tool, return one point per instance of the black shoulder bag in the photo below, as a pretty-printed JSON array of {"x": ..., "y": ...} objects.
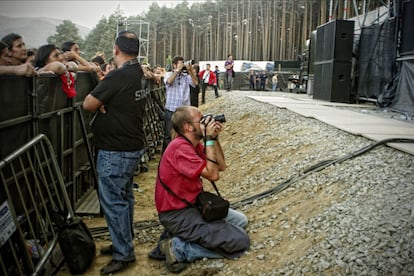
[
  {"x": 211, "y": 206},
  {"x": 76, "y": 242}
]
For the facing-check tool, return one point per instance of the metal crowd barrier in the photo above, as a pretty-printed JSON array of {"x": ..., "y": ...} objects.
[
  {"x": 46, "y": 160},
  {"x": 32, "y": 188}
]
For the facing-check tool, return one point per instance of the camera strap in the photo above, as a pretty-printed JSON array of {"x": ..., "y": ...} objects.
[
  {"x": 207, "y": 76},
  {"x": 212, "y": 182}
]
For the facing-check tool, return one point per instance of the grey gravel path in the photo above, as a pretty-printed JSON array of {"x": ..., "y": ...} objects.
[{"x": 370, "y": 231}]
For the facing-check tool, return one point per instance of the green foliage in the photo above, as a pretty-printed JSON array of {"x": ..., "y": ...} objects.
[
  {"x": 101, "y": 38},
  {"x": 67, "y": 31},
  {"x": 168, "y": 62}
]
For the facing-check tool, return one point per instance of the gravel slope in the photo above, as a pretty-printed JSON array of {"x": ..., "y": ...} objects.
[{"x": 355, "y": 217}]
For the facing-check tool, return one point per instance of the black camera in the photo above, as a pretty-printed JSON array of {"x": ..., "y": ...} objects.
[
  {"x": 190, "y": 61},
  {"x": 219, "y": 117}
]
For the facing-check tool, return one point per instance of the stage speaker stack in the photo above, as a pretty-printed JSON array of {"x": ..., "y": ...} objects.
[
  {"x": 407, "y": 29},
  {"x": 333, "y": 61}
]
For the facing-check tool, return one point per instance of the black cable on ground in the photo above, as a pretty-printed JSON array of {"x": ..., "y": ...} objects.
[
  {"x": 316, "y": 168},
  {"x": 103, "y": 231}
]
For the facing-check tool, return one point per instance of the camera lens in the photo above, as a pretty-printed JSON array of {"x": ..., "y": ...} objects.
[{"x": 220, "y": 118}]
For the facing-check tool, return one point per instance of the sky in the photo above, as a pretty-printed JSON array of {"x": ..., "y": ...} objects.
[{"x": 85, "y": 13}]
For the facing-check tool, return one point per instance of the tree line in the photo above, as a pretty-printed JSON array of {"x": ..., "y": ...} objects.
[{"x": 248, "y": 29}]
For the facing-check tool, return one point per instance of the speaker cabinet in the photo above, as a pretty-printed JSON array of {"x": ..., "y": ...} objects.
[
  {"x": 333, "y": 61},
  {"x": 334, "y": 41},
  {"x": 332, "y": 82},
  {"x": 407, "y": 29}
]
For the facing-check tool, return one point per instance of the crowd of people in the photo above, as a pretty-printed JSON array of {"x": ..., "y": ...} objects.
[
  {"x": 191, "y": 150},
  {"x": 259, "y": 80},
  {"x": 63, "y": 61}
]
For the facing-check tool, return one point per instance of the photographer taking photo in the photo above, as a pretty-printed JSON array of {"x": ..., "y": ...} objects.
[
  {"x": 188, "y": 236},
  {"x": 177, "y": 92}
]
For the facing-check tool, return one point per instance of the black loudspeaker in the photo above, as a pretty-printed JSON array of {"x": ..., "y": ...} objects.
[
  {"x": 334, "y": 41},
  {"x": 333, "y": 61},
  {"x": 407, "y": 29},
  {"x": 333, "y": 82}
]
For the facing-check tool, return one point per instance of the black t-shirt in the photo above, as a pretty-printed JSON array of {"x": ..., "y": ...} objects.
[{"x": 121, "y": 127}]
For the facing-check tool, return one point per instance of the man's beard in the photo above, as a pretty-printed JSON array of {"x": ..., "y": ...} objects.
[{"x": 198, "y": 135}]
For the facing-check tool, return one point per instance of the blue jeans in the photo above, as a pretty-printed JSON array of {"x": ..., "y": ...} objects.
[
  {"x": 189, "y": 251},
  {"x": 229, "y": 81},
  {"x": 115, "y": 176},
  {"x": 274, "y": 86}
]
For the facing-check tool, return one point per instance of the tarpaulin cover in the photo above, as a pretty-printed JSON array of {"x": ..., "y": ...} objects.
[
  {"x": 404, "y": 97},
  {"x": 376, "y": 59}
]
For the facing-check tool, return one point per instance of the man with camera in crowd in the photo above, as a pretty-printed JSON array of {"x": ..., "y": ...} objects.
[
  {"x": 187, "y": 235},
  {"x": 177, "y": 92}
]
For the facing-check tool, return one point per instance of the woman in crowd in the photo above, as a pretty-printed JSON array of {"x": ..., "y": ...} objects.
[
  {"x": 71, "y": 52},
  {"x": 49, "y": 60}
]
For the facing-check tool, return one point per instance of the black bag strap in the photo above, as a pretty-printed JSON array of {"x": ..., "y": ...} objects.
[
  {"x": 172, "y": 192},
  {"x": 215, "y": 188}
]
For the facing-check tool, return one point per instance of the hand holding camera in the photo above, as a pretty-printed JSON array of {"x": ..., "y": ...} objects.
[{"x": 212, "y": 124}]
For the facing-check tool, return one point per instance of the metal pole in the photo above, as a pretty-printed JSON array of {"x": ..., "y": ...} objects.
[
  {"x": 330, "y": 10},
  {"x": 345, "y": 9}
]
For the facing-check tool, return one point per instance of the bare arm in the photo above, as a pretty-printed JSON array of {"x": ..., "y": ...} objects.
[
  {"x": 25, "y": 69},
  {"x": 152, "y": 76},
  {"x": 54, "y": 67},
  {"x": 172, "y": 77},
  {"x": 214, "y": 152},
  {"x": 83, "y": 65},
  {"x": 92, "y": 104}
]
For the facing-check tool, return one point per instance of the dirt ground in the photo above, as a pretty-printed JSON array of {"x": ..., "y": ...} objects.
[{"x": 270, "y": 222}]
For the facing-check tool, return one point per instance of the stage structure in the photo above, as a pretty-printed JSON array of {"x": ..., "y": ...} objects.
[{"x": 141, "y": 29}]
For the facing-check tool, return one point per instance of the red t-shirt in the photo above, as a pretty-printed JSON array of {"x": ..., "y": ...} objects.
[{"x": 180, "y": 168}]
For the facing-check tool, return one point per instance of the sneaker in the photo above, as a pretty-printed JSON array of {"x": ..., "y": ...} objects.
[
  {"x": 107, "y": 250},
  {"x": 115, "y": 266},
  {"x": 156, "y": 254},
  {"x": 173, "y": 265}
]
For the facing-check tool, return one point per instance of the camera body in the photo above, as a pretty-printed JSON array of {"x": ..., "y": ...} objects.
[
  {"x": 219, "y": 117},
  {"x": 186, "y": 63},
  {"x": 190, "y": 61}
]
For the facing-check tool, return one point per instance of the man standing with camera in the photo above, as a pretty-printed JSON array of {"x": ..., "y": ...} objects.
[
  {"x": 188, "y": 236},
  {"x": 177, "y": 92}
]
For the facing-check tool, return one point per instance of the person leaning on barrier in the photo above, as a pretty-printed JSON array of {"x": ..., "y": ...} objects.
[
  {"x": 188, "y": 236},
  {"x": 71, "y": 52},
  {"x": 17, "y": 48},
  {"x": 118, "y": 128},
  {"x": 25, "y": 69},
  {"x": 47, "y": 60}
]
